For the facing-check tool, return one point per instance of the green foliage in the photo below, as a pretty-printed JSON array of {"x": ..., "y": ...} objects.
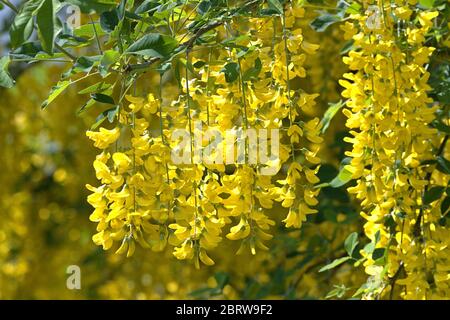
[
  {"x": 433, "y": 194},
  {"x": 5, "y": 78},
  {"x": 323, "y": 21},
  {"x": 334, "y": 264},
  {"x": 23, "y": 24},
  {"x": 330, "y": 113},
  {"x": 55, "y": 92},
  {"x": 153, "y": 45},
  {"x": 427, "y": 3},
  {"x": 231, "y": 71},
  {"x": 350, "y": 243},
  {"x": 45, "y": 20},
  {"x": 344, "y": 176}
]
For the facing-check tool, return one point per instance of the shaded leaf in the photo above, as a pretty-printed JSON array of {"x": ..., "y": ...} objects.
[
  {"x": 45, "y": 20},
  {"x": 147, "y": 6},
  {"x": 5, "y": 79},
  {"x": 86, "y": 106},
  {"x": 109, "y": 20},
  {"x": 443, "y": 165},
  {"x": 445, "y": 205},
  {"x": 351, "y": 242},
  {"x": 231, "y": 71},
  {"x": 323, "y": 21},
  {"x": 433, "y": 194},
  {"x": 110, "y": 57},
  {"x": 23, "y": 24},
  {"x": 103, "y": 98},
  {"x": 153, "y": 45},
  {"x": 276, "y": 5},
  {"x": 253, "y": 72},
  {"x": 330, "y": 113}
]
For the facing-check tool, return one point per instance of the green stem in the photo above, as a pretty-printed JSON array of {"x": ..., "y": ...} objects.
[
  {"x": 96, "y": 35},
  {"x": 10, "y": 5},
  {"x": 288, "y": 82},
  {"x": 163, "y": 138},
  {"x": 188, "y": 104},
  {"x": 67, "y": 53}
]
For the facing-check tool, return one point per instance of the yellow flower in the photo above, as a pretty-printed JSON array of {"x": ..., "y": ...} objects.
[{"x": 104, "y": 138}]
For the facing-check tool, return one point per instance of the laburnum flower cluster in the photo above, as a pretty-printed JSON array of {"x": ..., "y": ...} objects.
[
  {"x": 389, "y": 113},
  {"x": 145, "y": 197}
]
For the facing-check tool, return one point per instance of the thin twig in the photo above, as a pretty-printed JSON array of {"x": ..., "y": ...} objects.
[
  {"x": 10, "y": 5},
  {"x": 96, "y": 35}
]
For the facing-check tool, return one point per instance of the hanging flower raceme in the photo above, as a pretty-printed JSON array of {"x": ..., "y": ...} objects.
[
  {"x": 389, "y": 113},
  {"x": 129, "y": 203},
  {"x": 186, "y": 187}
]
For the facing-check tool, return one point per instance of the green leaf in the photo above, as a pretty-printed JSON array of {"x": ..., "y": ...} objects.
[
  {"x": 198, "y": 64},
  {"x": 351, "y": 242},
  {"x": 323, "y": 21},
  {"x": 330, "y": 113},
  {"x": 153, "y": 45},
  {"x": 443, "y": 94},
  {"x": 354, "y": 8},
  {"x": 441, "y": 127},
  {"x": 95, "y": 88},
  {"x": 5, "y": 79},
  {"x": 253, "y": 72},
  {"x": 445, "y": 205},
  {"x": 109, "y": 20},
  {"x": 443, "y": 165},
  {"x": 433, "y": 194},
  {"x": 349, "y": 45},
  {"x": 103, "y": 98},
  {"x": 370, "y": 247},
  {"x": 343, "y": 177},
  {"x": 87, "y": 31},
  {"x": 276, "y": 5},
  {"x": 231, "y": 71},
  {"x": 110, "y": 57},
  {"x": 27, "y": 50},
  {"x": 378, "y": 253},
  {"x": 428, "y": 4},
  {"x": 23, "y": 24},
  {"x": 339, "y": 291},
  {"x": 334, "y": 264},
  {"x": 60, "y": 87},
  {"x": 222, "y": 278},
  {"x": 82, "y": 65},
  {"x": 109, "y": 114},
  {"x": 147, "y": 6},
  {"x": 377, "y": 237},
  {"x": 45, "y": 20},
  {"x": 86, "y": 106},
  {"x": 203, "y": 7}
]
